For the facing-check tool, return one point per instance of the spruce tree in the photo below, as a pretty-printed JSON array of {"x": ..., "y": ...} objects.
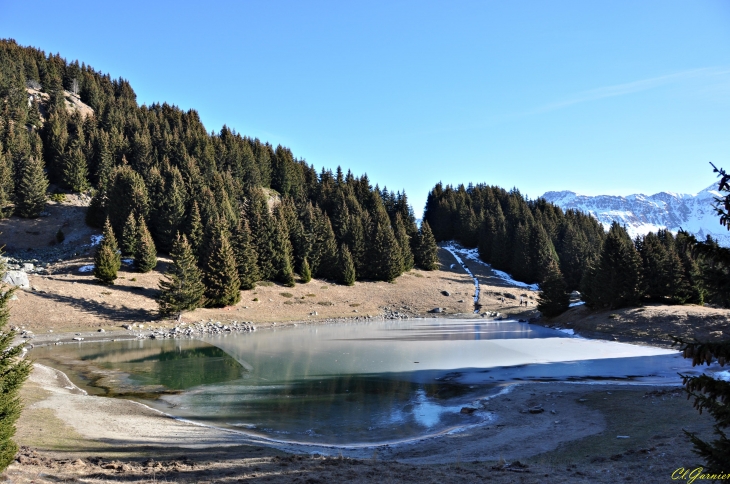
[
  {"x": 75, "y": 170},
  {"x": 306, "y": 272},
  {"x": 145, "y": 255},
  {"x": 554, "y": 297},
  {"x": 427, "y": 254},
  {"x": 30, "y": 194},
  {"x": 182, "y": 287},
  {"x": 282, "y": 258},
  {"x": 404, "y": 241},
  {"x": 245, "y": 254},
  {"x": 7, "y": 188},
  {"x": 222, "y": 285},
  {"x": 130, "y": 236},
  {"x": 347, "y": 267},
  {"x": 14, "y": 372},
  {"x": 107, "y": 260},
  {"x": 384, "y": 251},
  {"x": 194, "y": 228},
  {"x": 127, "y": 194}
]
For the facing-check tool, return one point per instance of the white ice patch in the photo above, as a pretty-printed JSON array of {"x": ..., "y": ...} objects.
[
  {"x": 566, "y": 330},
  {"x": 723, "y": 375},
  {"x": 96, "y": 239},
  {"x": 572, "y": 305},
  {"x": 86, "y": 268}
]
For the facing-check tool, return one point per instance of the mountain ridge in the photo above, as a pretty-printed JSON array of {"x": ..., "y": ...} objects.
[{"x": 642, "y": 214}]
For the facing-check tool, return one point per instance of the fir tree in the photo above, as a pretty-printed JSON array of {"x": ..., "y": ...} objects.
[
  {"x": 222, "y": 285},
  {"x": 194, "y": 228},
  {"x": 107, "y": 260},
  {"x": 554, "y": 297},
  {"x": 245, "y": 254},
  {"x": 14, "y": 372},
  {"x": 75, "y": 170},
  {"x": 6, "y": 183},
  {"x": 30, "y": 194},
  {"x": 145, "y": 254},
  {"x": 347, "y": 267},
  {"x": 404, "y": 241},
  {"x": 306, "y": 272},
  {"x": 282, "y": 259},
  {"x": 182, "y": 287},
  {"x": 384, "y": 254},
  {"x": 130, "y": 236},
  {"x": 427, "y": 254}
]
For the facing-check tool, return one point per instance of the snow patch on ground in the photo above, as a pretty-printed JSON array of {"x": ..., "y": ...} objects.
[
  {"x": 579, "y": 303},
  {"x": 129, "y": 262},
  {"x": 86, "y": 268},
  {"x": 96, "y": 239},
  {"x": 473, "y": 254},
  {"x": 452, "y": 250},
  {"x": 723, "y": 375},
  {"x": 566, "y": 330}
]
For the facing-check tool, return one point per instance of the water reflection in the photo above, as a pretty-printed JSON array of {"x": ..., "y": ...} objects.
[{"x": 353, "y": 383}]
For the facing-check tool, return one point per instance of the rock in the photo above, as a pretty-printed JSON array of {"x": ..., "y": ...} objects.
[
  {"x": 436, "y": 310},
  {"x": 446, "y": 293},
  {"x": 28, "y": 267},
  {"x": 468, "y": 410},
  {"x": 101, "y": 330},
  {"x": 536, "y": 409},
  {"x": 17, "y": 278},
  {"x": 77, "y": 338},
  {"x": 460, "y": 300}
]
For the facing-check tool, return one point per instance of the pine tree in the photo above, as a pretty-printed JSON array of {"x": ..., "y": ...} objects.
[
  {"x": 384, "y": 251},
  {"x": 182, "y": 288},
  {"x": 282, "y": 258},
  {"x": 194, "y": 228},
  {"x": 130, "y": 236},
  {"x": 554, "y": 297},
  {"x": 427, "y": 254},
  {"x": 6, "y": 183},
  {"x": 145, "y": 254},
  {"x": 75, "y": 170},
  {"x": 30, "y": 194},
  {"x": 245, "y": 254},
  {"x": 347, "y": 267},
  {"x": 107, "y": 260},
  {"x": 306, "y": 272},
  {"x": 14, "y": 372},
  {"x": 404, "y": 241},
  {"x": 222, "y": 285},
  {"x": 127, "y": 194}
]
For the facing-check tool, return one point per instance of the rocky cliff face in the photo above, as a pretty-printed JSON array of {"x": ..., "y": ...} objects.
[{"x": 642, "y": 214}]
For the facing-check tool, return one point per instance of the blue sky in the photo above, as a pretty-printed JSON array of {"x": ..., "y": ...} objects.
[{"x": 596, "y": 97}]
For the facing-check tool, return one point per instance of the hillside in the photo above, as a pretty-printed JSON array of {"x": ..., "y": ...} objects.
[{"x": 648, "y": 213}]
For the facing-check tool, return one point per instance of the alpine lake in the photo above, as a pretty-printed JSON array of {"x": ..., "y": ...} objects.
[{"x": 354, "y": 384}]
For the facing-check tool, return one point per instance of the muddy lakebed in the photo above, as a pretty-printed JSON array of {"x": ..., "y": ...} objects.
[{"x": 354, "y": 384}]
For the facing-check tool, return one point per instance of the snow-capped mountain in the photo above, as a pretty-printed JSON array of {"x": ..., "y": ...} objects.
[{"x": 643, "y": 214}]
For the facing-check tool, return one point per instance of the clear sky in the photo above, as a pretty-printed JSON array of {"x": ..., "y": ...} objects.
[{"x": 599, "y": 97}]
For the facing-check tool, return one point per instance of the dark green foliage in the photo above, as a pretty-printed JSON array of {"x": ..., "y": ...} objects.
[
  {"x": 194, "y": 228},
  {"x": 404, "y": 241},
  {"x": 245, "y": 254},
  {"x": 613, "y": 281},
  {"x": 13, "y": 372},
  {"x": 306, "y": 272},
  {"x": 107, "y": 260},
  {"x": 130, "y": 236},
  {"x": 554, "y": 297},
  {"x": 426, "y": 256},
  {"x": 75, "y": 170},
  {"x": 282, "y": 261},
  {"x": 385, "y": 258},
  {"x": 182, "y": 286},
  {"x": 347, "y": 267},
  {"x": 127, "y": 194},
  {"x": 7, "y": 188},
  {"x": 145, "y": 254},
  {"x": 710, "y": 394},
  {"x": 222, "y": 285},
  {"x": 30, "y": 196}
]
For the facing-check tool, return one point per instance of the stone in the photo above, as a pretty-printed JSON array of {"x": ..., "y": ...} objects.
[
  {"x": 446, "y": 293},
  {"x": 436, "y": 310},
  {"x": 77, "y": 338},
  {"x": 468, "y": 410},
  {"x": 28, "y": 267},
  {"x": 101, "y": 330},
  {"x": 536, "y": 410},
  {"x": 17, "y": 278}
]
